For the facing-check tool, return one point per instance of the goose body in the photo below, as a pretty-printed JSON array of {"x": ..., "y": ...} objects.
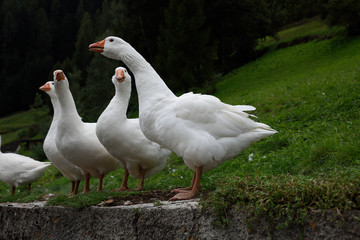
[
  {"x": 77, "y": 140},
  {"x": 123, "y": 138},
  {"x": 16, "y": 169},
  {"x": 67, "y": 168},
  {"x": 200, "y": 128}
]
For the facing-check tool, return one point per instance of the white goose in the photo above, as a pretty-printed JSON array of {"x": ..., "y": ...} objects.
[
  {"x": 200, "y": 128},
  {"x": 68, "y": 169},
  {"x": 76, "y": 140},
  {"x": 16, "y": 169},
  {"x": 123, "y": 137}
]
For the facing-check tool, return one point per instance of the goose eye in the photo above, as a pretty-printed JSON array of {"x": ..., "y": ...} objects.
[{"x": 111, "y": 40}]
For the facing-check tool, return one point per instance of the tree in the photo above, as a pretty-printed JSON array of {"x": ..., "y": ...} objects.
[
  {"x": 237, "y": 25},
  {"x": 64, "y": 27},
  {"x": 132, "y": 21},
  {"x": 9, "y": 58},
  {"x": 98, "y": 91},
  {"x": 185, "y": 56},
  {"x": 82, "y": 55},
  {"x": 345, "y": 13}
]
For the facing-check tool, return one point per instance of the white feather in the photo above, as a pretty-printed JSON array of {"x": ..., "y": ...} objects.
[
  {"x": 123, "y": 137},
  {"x": 76, "y": 140},
  {"x": 200, "y": 128},
  {"x": 16, "y": 169},
  {"x": 68, "y": 169}
]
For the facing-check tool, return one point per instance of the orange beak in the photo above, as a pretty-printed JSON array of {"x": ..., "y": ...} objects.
[
  {"x": 59, "y": 75},
  {"x": 119, "y": 75},
  {"x": 46, "y": 87},
  {"x": 97, "y": 47}
]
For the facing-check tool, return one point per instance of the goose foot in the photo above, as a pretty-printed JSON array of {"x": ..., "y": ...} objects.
[
  {"x": 120, "y": 189},
  {"x": 137, "y": 189},
  {"x": 182, "y": 190},
  {"x": 187, "y": 189},
  {"x": 185, "y": 194}
]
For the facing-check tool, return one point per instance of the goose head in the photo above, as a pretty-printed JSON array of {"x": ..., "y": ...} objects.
[
  {"x": 111, "y": 47},
  {"x": 60, "y": 80},
  {"x": 59, "y": 75},
  {"x": 121, "y": 76},
  {"x": 49, "y": 88}
]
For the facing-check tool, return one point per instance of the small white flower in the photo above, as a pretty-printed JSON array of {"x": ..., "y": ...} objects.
[
  {"x": 264, "y": 156},
  {"x": 251, "y": 156},
  {"x": 323, "y": 94}
]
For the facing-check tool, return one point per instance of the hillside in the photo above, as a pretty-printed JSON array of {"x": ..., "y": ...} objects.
[{"x": 309, "y": 93}]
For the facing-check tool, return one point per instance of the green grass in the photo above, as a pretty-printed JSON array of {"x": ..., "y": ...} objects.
[
  {"x": 18, "y": 120},
  {"x": 287, "y": 198},
  {"x": 309, "y": 93},
  {"x": 31, "y": 124},
  {"x": 307, "y": 28},
  {"x": 10, "y": 125}
]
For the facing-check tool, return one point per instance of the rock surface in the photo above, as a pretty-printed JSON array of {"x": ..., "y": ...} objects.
[{"x": 165, "y": 220}]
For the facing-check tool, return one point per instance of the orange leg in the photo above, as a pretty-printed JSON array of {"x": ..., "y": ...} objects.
[
  {"x": 75, "y": 187},
  {"x": 100, "y": 182},
  {"x": 72, "y": 186},
  {"x": 187, "y": 189},
  {"x": 87, "y": 182},
  {"x": 124, "y": 185},
  {"x": 142, "y": 177},
  {"x": 195, "y": 189},
  {"x": 77, "y": 183},
  {"x": 12, "y": 190}
]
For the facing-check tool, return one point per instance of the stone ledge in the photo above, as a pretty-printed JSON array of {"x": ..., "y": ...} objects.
[{"x": 169, "y": 220}]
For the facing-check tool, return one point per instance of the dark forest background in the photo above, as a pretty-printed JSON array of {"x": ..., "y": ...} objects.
[{"x": 191, "y": 43}]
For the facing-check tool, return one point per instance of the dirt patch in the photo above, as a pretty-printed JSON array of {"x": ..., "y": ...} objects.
[
  {"x": 304, "y": 39},
  {"x": 154, "y": 196}
]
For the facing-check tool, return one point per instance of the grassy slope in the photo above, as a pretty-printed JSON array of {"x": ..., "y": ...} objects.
[
  {"x": 306, "y": 28},
  {"x": 11, "y": 124},
  {"x": 309, "y": 93}
]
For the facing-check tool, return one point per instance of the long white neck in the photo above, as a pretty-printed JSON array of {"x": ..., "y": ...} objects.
[
  {"x": 56, "y": 108},
  {"x": 150, "y": 86},
  {"x": 119, "y": 103},
  {"x": 67, "y": 108}
]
